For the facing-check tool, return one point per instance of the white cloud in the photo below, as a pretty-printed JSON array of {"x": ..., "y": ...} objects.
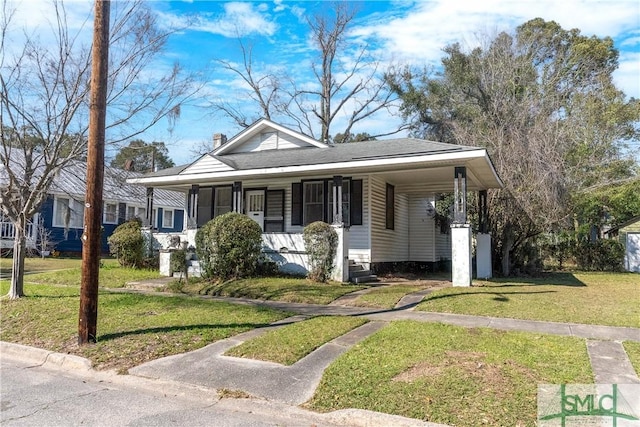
[{"x": 627, "y": 76}]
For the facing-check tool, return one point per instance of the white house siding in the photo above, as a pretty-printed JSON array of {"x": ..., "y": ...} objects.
[
  {"x": 443, "y": 246},
  {"x": 207, "y": 164},
  {"x": 270, "y": 141},
  {"x": 388, "y": 245},
  {"x": 421, "y": 228}
]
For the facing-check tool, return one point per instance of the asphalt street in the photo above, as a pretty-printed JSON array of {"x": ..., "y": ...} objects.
[{"x": 34, "y": 395}]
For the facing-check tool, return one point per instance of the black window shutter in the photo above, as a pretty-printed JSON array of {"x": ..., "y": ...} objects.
[
  {"x": 296, "y": 203},
  {"x": 356, "y": 202}
]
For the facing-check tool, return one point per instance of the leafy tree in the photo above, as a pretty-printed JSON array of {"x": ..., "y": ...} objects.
[
  {"x": 44, "y": 102},
  {"x": 536, "y": 100},
  {"x": 144, "y": 157}
]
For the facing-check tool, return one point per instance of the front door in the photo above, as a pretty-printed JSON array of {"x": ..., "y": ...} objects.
[{"x": 255, "y": 206}]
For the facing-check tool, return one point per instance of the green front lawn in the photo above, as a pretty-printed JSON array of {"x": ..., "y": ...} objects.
[
  {"x": 41, "y": 264},
  {"x": 633, "y": 351},
  {"x": 452, "y": 375},
  {"x": 287, "y": 289},
  {"x": 385, "y": 296},
  {"x": 132, "y": 329},
  {"x": 288, "y": 344},
  {"x": 592, "y": 298}
]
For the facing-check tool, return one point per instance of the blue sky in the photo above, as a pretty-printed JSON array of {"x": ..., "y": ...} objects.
[{"x": 396, "y": 31}]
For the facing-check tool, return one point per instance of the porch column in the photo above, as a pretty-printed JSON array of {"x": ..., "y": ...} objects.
[
  {"x": 149, "y": 211},
  {"x": 483, "y": 240},
  {"x": 337, "y": 200},
  {"x": 341, "y": 261},
  {"x": 192, "y": 207},
  {"x": 237, "y": 197},
  {"x": 461, "y": 269}
]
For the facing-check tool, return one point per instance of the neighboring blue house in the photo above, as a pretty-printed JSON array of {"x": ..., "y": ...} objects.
[{"x": 63, "y": 210}]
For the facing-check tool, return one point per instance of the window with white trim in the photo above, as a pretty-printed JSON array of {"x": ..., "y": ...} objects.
[
  {"x": 110, "y": 214},
  {"x": 167, "y": 218},
  {"x": 68, "y": 213}
]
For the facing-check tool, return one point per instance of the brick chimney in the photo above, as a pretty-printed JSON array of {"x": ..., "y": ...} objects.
[{"x": 219, "y": 139}]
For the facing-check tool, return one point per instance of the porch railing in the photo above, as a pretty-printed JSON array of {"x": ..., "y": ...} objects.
[{"x": 8, "y": 233}]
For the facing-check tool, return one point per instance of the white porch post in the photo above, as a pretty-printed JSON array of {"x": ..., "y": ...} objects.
[
  {"x": 461, "y": 268},
  {"x": 483, "y": 256},
  {"x": 341, "y": 261},
  {"x": 461, "y": 254},
  {"x": 484, "y": 268}
]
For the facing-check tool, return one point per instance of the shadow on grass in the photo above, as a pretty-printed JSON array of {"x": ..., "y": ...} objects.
[
  {"x": 167, "y": 329},
  {"x": 499, "y": 296},
  {"x": 547, "y": 279}
]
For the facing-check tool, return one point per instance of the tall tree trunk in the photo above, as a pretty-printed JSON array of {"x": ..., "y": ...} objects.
[
  {"x": 19, "y": 251},
  {"x": 507, "y": 245}
]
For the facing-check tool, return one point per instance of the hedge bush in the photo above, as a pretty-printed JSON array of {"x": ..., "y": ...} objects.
[
  {"x": 321, "y": 243},
  {"x": 127, "y": 243},
  {"x": 229, "y": 246},
  {"x": 600, "y": 255}
]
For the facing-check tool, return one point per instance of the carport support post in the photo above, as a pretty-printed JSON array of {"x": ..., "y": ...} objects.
[{"x": 461, "y": 269}]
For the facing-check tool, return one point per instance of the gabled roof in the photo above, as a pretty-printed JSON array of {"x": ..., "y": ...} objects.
[
  {"x": 71, "y": 181},
  {"x": 257, "y": 153},
  {"x": 259, "y": 127}
]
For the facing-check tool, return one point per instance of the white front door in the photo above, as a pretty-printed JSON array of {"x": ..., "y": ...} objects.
[{"x": 255, "y": 206}]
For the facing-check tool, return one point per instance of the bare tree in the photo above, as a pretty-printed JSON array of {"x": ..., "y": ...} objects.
[
  {"x": 347, "y": 83},
  {"x": 44, "y": 104},
  {"x": 264, "y": 89}
]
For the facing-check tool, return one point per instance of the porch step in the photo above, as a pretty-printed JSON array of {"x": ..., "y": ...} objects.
[
  {"x": 193, "y": 268},
  {"x": 358, "y": 274},
  {"x": 364, "y": 279}
]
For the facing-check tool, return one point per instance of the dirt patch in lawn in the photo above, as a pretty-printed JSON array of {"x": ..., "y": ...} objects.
[{"x": 493, "y": 377}]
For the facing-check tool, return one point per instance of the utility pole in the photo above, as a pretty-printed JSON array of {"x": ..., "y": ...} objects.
[{"x": 88, "y": 317}]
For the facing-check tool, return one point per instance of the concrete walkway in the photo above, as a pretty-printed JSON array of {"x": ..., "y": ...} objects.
[{"x": 296, "y": 384}]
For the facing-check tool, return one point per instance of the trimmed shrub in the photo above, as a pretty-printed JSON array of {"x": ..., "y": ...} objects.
[
  {"x": 229, "y": 246},
  {"x": 127, "y": 243},
  {"x": 601, "y": 255},
  {"x": 321, "y": 243}
]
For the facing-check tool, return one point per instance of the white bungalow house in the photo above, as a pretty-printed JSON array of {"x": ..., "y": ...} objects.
[{"x": 380, "y": 194}]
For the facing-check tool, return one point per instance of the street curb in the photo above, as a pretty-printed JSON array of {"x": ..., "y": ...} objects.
[
  {"x": 365, "y": 418},
  {"x": 45, "y": 357}
]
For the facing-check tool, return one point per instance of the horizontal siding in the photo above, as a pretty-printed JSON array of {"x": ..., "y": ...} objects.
[
  {"x": 421, "y": 229},
  {"x": 443, "y": 246},
  {"x": 388, "y": 245},
  {"x": 207, "y": 164}
]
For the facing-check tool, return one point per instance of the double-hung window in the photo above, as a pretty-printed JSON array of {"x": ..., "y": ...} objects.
[
  {"x": 110, "y": 214},
  {"x": 68, "y": 213},
  {"x": 167, "y": 218},
  {"x": 313, "y": 201}
]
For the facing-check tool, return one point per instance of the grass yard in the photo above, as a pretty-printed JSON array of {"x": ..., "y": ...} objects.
[
  {"x": 41, "y": 264},
  {"x": 67, "y": 271},
  {"x": 384, "y": 296},
  {"x": 633, "y": 351},
  {"x": 288, "y": 344},
  {"x": 452, "y": 375},
  {"x": 287, "y": 289},
  {"x": 132, "y": 328},
  {"x": 591, "y": 298}
]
